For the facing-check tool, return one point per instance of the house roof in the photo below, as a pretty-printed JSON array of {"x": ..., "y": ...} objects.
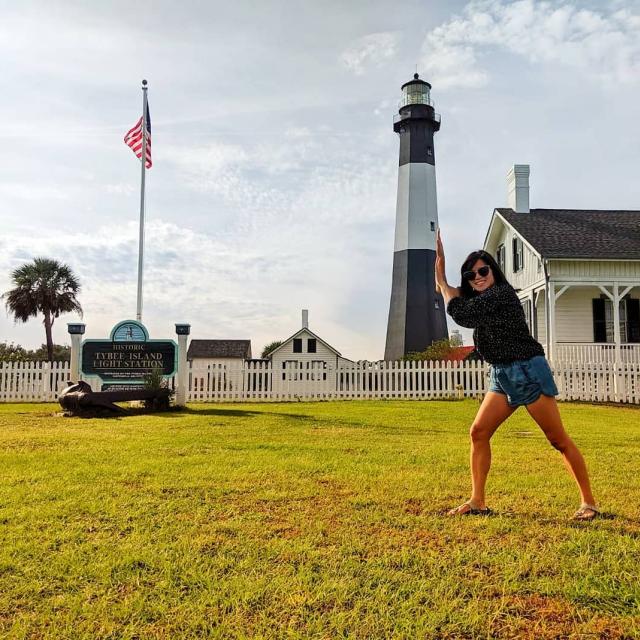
[
  {"x": 219, "y": 349},
  {"x": 460, "y": 353},
  {"x": 579, "y": 233},
  {"x": 295, "y": 335}
]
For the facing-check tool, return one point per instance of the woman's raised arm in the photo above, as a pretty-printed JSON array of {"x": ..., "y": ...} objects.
[{"x": 441, "y": 278}]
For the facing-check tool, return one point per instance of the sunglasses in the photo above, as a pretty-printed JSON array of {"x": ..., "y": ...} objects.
[{"x": 482, "y": 271}]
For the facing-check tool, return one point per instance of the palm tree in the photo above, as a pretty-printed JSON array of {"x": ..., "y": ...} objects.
[{"x": 43, "y": 286}]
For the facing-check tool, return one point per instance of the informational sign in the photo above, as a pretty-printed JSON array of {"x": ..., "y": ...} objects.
[{"x": 128, "y": 356}]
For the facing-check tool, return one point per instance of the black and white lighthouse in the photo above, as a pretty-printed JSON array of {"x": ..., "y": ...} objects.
[{"x": 416, "y": 314}]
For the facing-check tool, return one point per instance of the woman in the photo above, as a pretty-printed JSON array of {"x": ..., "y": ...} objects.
[{"x": 520, "y": 374}]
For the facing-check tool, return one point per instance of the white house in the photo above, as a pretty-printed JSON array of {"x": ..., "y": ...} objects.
[
  {"x": 577, "y": 273},
  {"x": 305, "y": 356}
]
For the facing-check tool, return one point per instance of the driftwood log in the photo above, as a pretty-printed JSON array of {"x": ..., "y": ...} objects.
[{"x": 78, "y": 398}]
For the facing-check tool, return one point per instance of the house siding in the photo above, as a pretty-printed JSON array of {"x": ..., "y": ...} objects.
[
  {"x": 596, "y": 269},
  {"x": 530, "y": 274},
  {"x": 285, "y": 352},
  {"x": 574, "y": 314}
]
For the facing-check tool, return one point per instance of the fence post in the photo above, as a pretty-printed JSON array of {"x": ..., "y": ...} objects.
[
  {"x": 76, "y": 331},
  {"x": 183, "y": 331}
]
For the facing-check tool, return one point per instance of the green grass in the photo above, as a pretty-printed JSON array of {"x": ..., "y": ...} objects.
[{"x": 312, "y": 520}]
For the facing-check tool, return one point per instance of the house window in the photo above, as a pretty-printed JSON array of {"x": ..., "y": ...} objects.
[
  {"x": 603, "y": 320},
  {"x": 311, "y": 345},
  {"x": 539, "y": 265},
  {"x": 290, "y": 370},
  {"x": 297, "y": 345},
  {"x": 633, "y": 320},
  {"x": 318, "y": 370},
  {"x": 500, "y": 256},
  {"x": 518, "y": 262},
  {"x": 526, "y": 307}
]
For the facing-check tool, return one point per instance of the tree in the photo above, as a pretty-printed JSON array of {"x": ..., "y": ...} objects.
[
  {"x": 272, "y": 346},
  {"x": 439, "y": 350},
  {"x": 45, "y": 287},
  {"x": 17, "y": 353},
  {"x": 12, "y": 353}
]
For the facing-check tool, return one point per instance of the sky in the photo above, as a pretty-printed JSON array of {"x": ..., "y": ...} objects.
[{"x": 274, "y": 181}]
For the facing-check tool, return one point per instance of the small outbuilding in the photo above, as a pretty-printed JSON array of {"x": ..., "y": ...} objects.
[
  {"x": 306, "y": 356},
  {"x": 230, "y": 353}
]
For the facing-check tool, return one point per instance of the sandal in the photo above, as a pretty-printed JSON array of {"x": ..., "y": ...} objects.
[
  {"x": 583, "y": 512},
  {"x": 471, "y": 511}
]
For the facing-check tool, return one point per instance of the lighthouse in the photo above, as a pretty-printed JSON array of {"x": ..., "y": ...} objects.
[{"x": 416, "y": 313}]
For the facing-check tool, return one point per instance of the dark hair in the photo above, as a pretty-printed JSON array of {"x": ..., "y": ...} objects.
[{"x": 467, "y": 290}]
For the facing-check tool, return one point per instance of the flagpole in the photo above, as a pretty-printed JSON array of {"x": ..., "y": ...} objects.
[{"x": 143, "y": 162}]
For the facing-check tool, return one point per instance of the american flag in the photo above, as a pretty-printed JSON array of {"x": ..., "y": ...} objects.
[{"x": 133, "y": 139}]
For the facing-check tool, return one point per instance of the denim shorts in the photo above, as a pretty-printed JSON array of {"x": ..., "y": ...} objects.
[{"x": 523, "y": 381}]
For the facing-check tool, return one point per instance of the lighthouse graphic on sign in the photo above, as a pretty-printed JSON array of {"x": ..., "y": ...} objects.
[{"x": 416, "y": 313}]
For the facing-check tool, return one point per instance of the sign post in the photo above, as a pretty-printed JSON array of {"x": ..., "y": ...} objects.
[
  {"x": 75, "y": 331},
  {"x": 183, "y": 331}
]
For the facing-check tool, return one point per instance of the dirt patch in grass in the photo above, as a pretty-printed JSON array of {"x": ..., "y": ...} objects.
[{"x": 540, "y": 617}]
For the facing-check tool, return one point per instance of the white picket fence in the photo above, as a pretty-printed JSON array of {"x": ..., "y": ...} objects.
[
  {"x": 596, "y": 382},
  {"x": 32, "y": 381}
]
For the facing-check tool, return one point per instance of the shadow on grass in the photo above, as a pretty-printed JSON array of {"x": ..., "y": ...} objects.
[{"x": 220, "y": 412}]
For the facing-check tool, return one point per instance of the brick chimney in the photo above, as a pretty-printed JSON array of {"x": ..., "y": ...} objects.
[{"x": 305, "y": 318}]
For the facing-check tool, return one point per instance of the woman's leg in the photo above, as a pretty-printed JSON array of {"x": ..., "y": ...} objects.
[
  {"x": 545, "y": 412},
  {"x": 493, "y": 411}
]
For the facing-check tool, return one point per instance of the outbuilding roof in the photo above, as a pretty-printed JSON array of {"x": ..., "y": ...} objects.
[
  {"x": 579, "y": 233},
  {"x": 219, "y": 349}
]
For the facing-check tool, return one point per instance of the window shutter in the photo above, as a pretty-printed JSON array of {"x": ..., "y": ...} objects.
[
  {"x": 599, "y": 323},
  {"x": 514, "y": 247},
  {"x": 633, "y": 319}
]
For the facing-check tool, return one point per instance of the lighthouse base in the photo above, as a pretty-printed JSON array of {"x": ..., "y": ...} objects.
[{"x": 417, "y": 316}]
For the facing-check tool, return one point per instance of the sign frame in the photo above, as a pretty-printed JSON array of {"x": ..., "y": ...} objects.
[{"x": 114, "y": 339}]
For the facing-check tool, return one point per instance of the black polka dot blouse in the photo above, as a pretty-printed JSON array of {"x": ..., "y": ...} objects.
[{"x": 500, "y": 331}]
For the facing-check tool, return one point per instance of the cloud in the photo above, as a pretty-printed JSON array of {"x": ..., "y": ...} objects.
[
  {"x": 603, "y": 45},
  {"x": 370, "y": 50}
]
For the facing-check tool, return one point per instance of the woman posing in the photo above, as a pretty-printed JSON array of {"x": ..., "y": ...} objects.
[{"x": 520, "y": 373}]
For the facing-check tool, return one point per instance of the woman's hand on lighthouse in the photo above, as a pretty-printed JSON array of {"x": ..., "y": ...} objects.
[{"x": 441, "y": 278}]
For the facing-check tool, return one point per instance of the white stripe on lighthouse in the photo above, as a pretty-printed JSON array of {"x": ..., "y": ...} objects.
[{"x": 416, "y": 207}]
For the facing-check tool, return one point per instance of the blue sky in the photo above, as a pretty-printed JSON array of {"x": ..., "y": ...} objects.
[{"x": 275, "y": 163}]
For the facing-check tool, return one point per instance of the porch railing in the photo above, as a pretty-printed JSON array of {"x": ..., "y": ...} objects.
[{"x": 596, "y": 352}]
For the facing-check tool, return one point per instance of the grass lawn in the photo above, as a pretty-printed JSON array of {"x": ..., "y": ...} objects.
[{"x": 313, "y": 520}]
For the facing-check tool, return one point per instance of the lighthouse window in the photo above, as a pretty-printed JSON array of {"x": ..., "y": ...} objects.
[
  {"x": 437, "y": 305},
  {"x": 429, "y": 151},
  {"x": 433, "y": 226}
]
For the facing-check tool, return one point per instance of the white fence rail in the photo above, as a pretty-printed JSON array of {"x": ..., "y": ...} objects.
[
  {"x": 596, "y": 382},
  {"x": 32, "y": 381},
  {"x": 591, "y": 352}
]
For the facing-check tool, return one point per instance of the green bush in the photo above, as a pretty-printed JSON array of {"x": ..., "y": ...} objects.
[{"x": 439, "y": 350}]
